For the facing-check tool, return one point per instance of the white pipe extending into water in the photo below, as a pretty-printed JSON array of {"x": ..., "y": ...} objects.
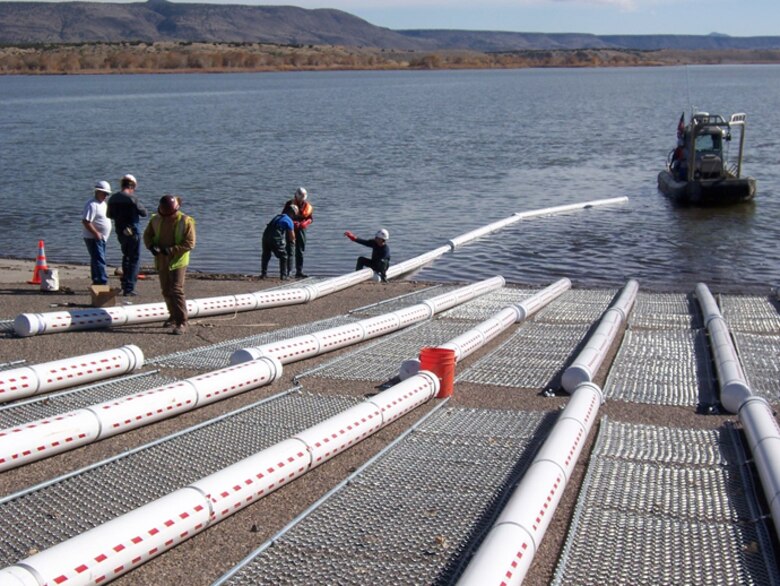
[
  {"x": 509, "y": 548},
  {"x": 26, "y": 381},
  {"x": 46, "y": 437},
  {"x": 33, "y": 324},
  {"x": 306, "y": 346},
  {"x": 122, "y": 544},
  {"x": 590, "y": 359},
  {"x": 755, "y": 414},
  {"x": 479, "y": 232}
]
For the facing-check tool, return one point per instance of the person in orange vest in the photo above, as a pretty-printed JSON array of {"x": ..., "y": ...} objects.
[
  {"x": 170, "y": 236},
  {"x": 301, "y": 221}
]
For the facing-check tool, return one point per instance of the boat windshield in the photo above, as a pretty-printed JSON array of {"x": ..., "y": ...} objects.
[{"x": 709, "y": 143}]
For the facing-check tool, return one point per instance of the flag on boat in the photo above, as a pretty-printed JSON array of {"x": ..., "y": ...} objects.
[{"x": 681, "y": 126}]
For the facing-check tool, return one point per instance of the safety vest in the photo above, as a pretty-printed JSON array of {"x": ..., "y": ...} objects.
[{"x": 183, "y": 258}]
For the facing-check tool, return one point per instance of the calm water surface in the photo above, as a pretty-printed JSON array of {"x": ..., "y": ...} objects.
[{"x": 427, "y": 155}]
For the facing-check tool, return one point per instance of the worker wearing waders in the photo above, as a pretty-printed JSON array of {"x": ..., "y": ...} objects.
[
  {"x": 278, "y": 236},
  {"x": 380, "y": 255},
  {"x": 301, "y": 222},
  {"x": 170, "y": 236}
]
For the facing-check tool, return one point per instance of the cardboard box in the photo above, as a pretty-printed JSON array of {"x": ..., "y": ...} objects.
[{"x": 103, "y": 295}]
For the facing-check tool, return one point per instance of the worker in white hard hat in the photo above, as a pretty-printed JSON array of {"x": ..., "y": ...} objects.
[
  {"x": 301, "y": 222},
  {"x": 96, "y": 230},
  {"x": 380, "y": 255},
  {"x": 126, "y": 210}
]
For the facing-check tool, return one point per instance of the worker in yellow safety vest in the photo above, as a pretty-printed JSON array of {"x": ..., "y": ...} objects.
[{"x": 170, "y": 236}]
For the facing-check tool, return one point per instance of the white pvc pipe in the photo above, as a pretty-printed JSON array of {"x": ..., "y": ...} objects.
[
  {"x": 309, "y": 345},
  {"x": 754, "y": 413},
  {"x": 33, "y": 324},
  {"x": 509, "y": 548},
  {"x": 46, "y": 437},
  {"x": 479, "y": 232},
  {"x": 763, "y": 437},
  {"x": 26, "y": 381},
  {"x": 589, "y": 360},
  {"x": 122, "y": 544},
  {"x": 482, "y": 333}
]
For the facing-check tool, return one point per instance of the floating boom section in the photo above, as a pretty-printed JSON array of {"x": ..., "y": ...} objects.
[
  {"x": 755, "y": 414},
  {"x": 33, "y": 324},
  {"x": 26, "y": 381},
  {"x": 588, "y": 362},
  {"x": 46, "y": 437},
  {"x": 505, "y": 555},
  {"x": 122, "y": 544},
  {"x": 306, "y": 346},
  {"x": 516, "y": 217}
]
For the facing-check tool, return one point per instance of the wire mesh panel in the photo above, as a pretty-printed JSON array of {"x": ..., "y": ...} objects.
[
  {"x": 665, "y": 310},
  {"x": 486, "y": 305},
  {"x": 413, "y": 514},
  {"x": 743, "y": 313},
  {"x": 577, "y": 306},
  {"x": 760, "y": 358},
  {"x": 657, "y": 367},
  {"x": 217, "y": 356},
  {"x": 402, "y": 301},
  {"x": 41, "y": 518},
  {"x": 381, "y": 360},
  {"x": 6, "y": 326},
  {"x": 49, "y": 405},
  {"x": 667, "y": 506},
  {"x": 531, "y": 358}
]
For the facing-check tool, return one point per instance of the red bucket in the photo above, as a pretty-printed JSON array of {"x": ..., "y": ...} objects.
[{"x": 441, "y": 362}]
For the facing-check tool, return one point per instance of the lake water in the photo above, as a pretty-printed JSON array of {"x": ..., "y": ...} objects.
[{"x": 426, "y": 155}]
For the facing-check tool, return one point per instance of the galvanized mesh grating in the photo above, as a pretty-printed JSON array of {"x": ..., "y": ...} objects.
[
  {"x": 666, "y": 506},
  {"x": 531, "y": 358},
  {"x": 487, "y": 305},
  {"x": 7, "y": 326},
  {"x": 43, "y": 406},
  {"x": 756, "y": 315},
  {"x": 760, "y": 358},
  {"x": 402, "y": 301},
  {"x": 577, "y": 306},
  {"x": 381, "y": 360},
  {"x": 217, "y": 356},
  {"x": 657, "y": 367},
  {"x": 40, "y": 519},
  {"x": 412, "y": 515},
  {"x": 664, "y": 310}
]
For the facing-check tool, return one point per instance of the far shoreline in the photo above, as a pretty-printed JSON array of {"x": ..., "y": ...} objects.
[{"x": 216, "y": 58}]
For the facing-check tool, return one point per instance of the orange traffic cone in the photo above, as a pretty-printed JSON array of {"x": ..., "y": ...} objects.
[{"x": 40, "y": 265}]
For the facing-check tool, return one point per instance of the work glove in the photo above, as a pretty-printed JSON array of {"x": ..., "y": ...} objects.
[
  {"x": 296, "y": 225},
  {"x": 155, "y": 250},
  {"x": 166, "y": 250},
  {"x": 350, "y": 235},
  {"x": 305, "y": 223}
]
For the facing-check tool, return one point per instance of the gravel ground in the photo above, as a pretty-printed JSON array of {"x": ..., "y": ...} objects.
[{"x": 204, "y": 558}]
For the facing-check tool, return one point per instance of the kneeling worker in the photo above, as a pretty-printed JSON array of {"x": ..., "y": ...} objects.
[
  {"x": 380, "y": 255},
  {"x": 278, "y": 233},
  {"x": 170, "y": 236}
]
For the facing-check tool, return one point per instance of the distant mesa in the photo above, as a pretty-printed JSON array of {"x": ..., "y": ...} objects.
[{"x": 31, "y": 23}]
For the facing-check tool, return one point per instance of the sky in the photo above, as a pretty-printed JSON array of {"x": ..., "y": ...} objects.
[{"x": 739, "y": 18}]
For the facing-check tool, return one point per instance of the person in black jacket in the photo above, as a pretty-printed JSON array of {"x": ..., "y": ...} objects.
[
  {"x": 126, "y": 211},
  {"x": 380, "y": 255}
]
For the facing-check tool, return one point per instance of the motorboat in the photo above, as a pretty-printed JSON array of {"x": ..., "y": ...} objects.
[{"x": 699, "y": 170}]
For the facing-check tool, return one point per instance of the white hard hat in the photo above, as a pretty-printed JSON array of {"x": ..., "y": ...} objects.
[
  {"x": 383, "y": 234},
  {"x": 129, "y": 177},
  {"x": 103, "y": 186},
  {"x": 301, "y": 193}
]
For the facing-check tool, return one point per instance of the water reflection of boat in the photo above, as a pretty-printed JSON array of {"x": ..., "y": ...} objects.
[{"x": 699, "y": 171}]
